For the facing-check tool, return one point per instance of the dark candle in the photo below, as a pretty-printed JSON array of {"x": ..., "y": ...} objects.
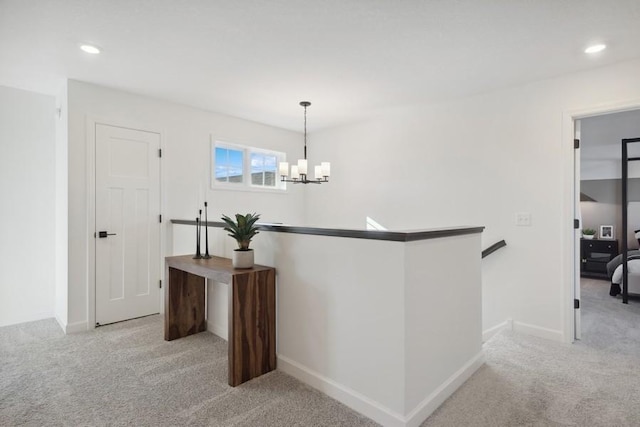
[
  {"x": 198, "y": 254},
  {"x": 206, "y": 233}
]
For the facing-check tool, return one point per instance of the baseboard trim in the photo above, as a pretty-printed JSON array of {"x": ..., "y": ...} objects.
[
  {"x": 218, "y": 330},
  {"x": 356, "y": 401},
  {"x": 62, "y": 325},
  {"x": 442, "y": 393},
  {"x": 489, "y": 333},
  {"x": 74, "y": 328},
  {"x": 538, "y": 331},
  {"x": 374, "y": 410}
]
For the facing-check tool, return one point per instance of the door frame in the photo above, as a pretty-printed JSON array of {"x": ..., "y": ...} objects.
[
  {"x": 571, "y": 254},
  {"x": 90, "y": 128},
  {"x": 577, "y": 232}
]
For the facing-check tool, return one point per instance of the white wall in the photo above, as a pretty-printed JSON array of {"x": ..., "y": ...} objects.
[
  {"x": 27, "y": 213},
  {"x": 340, "y": 317},
  {"x": 443, "y": 318},
  {"x": 186, "y": 134},
  {"x": 478, "y": 161}
]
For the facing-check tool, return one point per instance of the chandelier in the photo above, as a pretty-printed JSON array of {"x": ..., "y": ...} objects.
[{"x": 299, "y": 172}]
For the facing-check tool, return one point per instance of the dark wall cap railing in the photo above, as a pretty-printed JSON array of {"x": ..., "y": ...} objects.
[
  {"x": 491, "y": 249},
  {"x": 395, "y": 236}
]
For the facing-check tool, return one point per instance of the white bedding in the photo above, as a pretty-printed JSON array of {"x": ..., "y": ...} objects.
[{"x": 633, "y": 265}]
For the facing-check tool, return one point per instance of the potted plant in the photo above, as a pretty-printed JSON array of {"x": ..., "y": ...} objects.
[
  {"x": 242, "y": 229},
  {"x": 588, "y": 233}
]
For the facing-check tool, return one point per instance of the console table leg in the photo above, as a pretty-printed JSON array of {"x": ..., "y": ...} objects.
[
  {"x": 252, "y": 326},
  {"x": 184, "y": 305}
]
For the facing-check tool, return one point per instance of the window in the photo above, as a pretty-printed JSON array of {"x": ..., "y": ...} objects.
[
  {"x": 229, "y": 165},
  {"x": 263, "y": 169},
  {"x": 241, "y": 167}
]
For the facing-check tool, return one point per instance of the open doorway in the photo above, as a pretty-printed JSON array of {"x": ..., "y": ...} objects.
[{"x": 605, "y": 320}]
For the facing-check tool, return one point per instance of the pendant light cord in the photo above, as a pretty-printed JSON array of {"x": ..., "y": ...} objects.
[{"x": 305, "y": 132}]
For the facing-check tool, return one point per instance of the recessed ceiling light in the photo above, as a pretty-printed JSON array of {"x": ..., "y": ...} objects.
[
  {"x": 90, "y": 49},
  {"x": 595, "y": 48}
]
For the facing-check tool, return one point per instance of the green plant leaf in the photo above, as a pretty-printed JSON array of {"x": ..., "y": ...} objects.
[{"x": 243, "y": 229}]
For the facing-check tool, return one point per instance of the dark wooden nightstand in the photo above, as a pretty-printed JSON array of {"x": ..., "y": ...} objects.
[{"x": 595, "y": 254}]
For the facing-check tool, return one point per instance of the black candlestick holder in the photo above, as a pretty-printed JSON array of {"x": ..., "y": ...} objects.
[
  {"x": 206, "y": 234},
  {"x": 198, "y": 254}
]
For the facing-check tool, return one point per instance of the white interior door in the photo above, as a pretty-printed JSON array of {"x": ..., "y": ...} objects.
[
  {"x": 577, "y": 233},
  {"x": 128, "y": 210}
]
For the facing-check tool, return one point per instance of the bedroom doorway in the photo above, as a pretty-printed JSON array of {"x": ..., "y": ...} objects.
[{"x": 602, "y": 320}]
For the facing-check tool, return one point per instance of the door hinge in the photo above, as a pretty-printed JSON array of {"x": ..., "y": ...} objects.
[
  {"x": 576, "y": 143},
  {"x": 576, "y": 224},
  {"x": 159, "y": 152},
  {"x": 160, "y": 217},
  {"x": 576, "y": 303},
  {"x": 160, "y": 284}
]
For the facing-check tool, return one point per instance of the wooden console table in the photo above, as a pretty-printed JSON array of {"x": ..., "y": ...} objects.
[{"x": 252, "y": 310}]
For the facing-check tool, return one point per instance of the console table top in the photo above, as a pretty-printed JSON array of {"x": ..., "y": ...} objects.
[{"x": 217, "y": 268}]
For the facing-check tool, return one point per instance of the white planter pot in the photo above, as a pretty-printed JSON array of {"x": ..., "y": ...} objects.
[
  {"x": 588, "y": 236},
  {"x": 242, "y": 259}
]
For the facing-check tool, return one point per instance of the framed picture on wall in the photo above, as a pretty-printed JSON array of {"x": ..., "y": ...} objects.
[{"x": 606, "y": 231}]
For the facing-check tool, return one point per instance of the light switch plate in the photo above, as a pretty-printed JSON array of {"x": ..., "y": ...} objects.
[{"x": 523, "y": 219}]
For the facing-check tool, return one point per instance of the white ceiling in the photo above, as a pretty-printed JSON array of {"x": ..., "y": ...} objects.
[{"x": 257, "y": 59}]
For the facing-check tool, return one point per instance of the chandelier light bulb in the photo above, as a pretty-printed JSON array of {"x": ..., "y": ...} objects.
[
  {"x": 326, "y": 169},
  {"x": 302, "y": 166},
  {"x": 284, "y": 168},
  {"x": 294, "y": 172}
]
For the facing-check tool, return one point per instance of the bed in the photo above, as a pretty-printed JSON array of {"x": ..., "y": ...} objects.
[{"x": 614, "y": 270}]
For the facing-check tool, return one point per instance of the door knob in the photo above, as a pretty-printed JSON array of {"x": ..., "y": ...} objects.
[{"x": 103, "y": 234}]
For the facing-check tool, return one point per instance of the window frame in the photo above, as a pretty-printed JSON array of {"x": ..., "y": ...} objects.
[{"x": 246, "y": 184}]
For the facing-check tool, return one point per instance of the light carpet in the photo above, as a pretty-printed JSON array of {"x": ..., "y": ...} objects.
[
  {"x": 528, "y": 381},
  {"x": 126, "y": 374}
]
